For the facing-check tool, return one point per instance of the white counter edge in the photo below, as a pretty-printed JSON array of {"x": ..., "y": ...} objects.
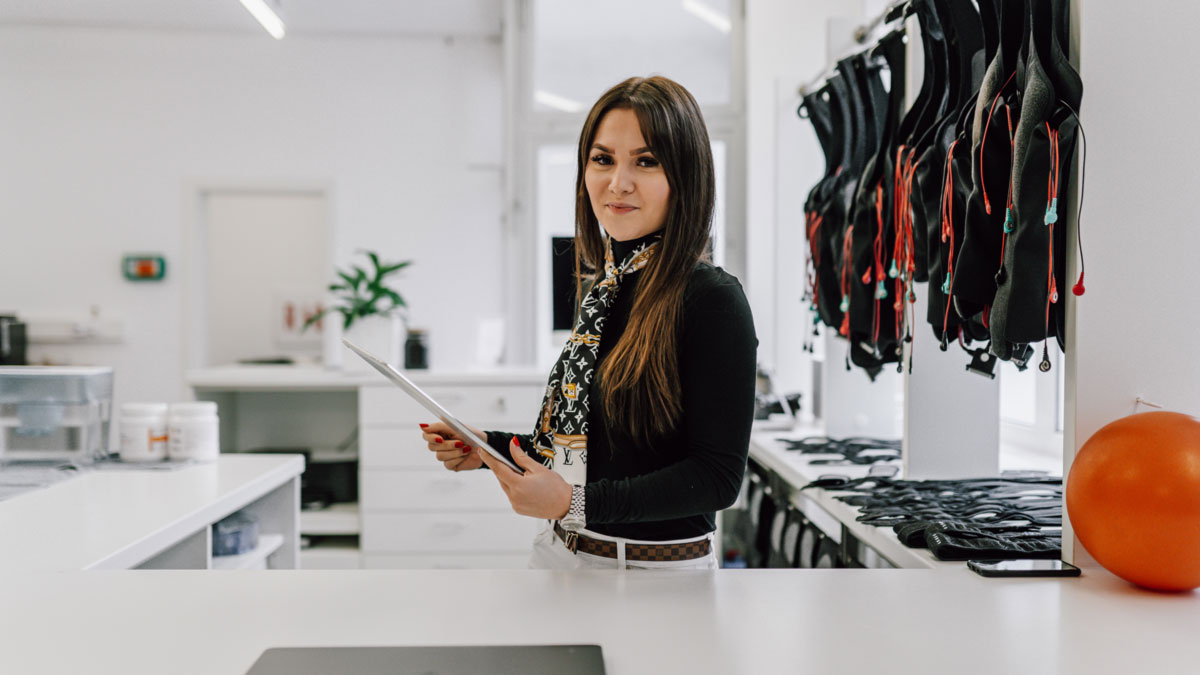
[{"x": 155, "y": 542}]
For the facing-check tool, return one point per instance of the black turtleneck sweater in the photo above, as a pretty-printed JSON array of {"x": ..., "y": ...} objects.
[{"x": 671, "y": 490}]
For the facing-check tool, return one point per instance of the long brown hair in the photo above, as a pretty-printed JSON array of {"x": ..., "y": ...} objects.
[{"x": 640, "y": 376}]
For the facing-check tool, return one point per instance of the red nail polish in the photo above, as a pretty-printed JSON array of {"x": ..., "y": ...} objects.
[
  {"x": 423, "y": 426},
  {"x": 438, "y": 439},
  {"x": 466, "y": 450},
  {"x": 516, "y": 440},
  {"x": 458, "y": 444}
]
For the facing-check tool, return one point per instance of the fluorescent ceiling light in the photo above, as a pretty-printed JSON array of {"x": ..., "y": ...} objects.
[
  {"x": 557, "y": 102},
  {"x": 707, "y": 14},
  {"x": 266, "y": 16}
]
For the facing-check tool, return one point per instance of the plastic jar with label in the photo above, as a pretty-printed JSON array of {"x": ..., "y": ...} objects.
[
  {"x": 194, "y": 431},
  {"x": 143, "y": 432}
]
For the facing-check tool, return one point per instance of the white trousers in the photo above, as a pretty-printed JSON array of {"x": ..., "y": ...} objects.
[{"x": 550, "y": 553}]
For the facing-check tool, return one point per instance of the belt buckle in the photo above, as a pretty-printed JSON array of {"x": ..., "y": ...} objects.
[{"x": 571, "y": 540}]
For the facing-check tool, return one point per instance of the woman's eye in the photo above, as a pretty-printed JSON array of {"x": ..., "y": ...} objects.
[
  {"x": 647, "y": 162},
  {"x": 603, "y": 160}
]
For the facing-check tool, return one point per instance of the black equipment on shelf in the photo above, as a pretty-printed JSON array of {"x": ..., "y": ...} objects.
[{"x": 996, "y": 518}]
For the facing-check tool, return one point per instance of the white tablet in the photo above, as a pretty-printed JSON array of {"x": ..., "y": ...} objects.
[{"x": 463, "y": 431}]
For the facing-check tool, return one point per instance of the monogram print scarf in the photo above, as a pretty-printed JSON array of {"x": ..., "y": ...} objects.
[{"x": 561, "y": 433}]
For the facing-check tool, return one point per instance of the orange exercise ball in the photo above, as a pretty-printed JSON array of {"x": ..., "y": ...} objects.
[{"x": 1133, "y": 497}]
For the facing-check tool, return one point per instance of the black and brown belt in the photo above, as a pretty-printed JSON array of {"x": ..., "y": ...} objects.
[{"x": 688, "y": 550}]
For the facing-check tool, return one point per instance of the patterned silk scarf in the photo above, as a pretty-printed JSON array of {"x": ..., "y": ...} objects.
[{"x": 561, "y": 433}]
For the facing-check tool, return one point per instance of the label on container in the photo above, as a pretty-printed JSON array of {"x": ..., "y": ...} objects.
[
  {"x": 193, "y": 439},
  {"x": 143, "y": 441}
]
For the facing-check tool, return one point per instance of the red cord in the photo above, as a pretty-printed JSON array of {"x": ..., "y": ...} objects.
[
  {"x": 987, "y": 204},
  {"x": 813, "y": 229},
  {"x": 948, "y": 231},
  {"x": 847, "y": 246},
  {"x": 1051, "y": 204},
  {"x": 879, "y": 273}
]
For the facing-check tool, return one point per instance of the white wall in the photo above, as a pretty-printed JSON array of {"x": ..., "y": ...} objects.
[
  {"x": 104, "y": 132},
  {"x": 786, "y": 47},
  {"x": 1136, "y": 325}
]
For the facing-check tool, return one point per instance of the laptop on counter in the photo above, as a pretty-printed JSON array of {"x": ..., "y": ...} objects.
[{"x": 469, "y": 660}]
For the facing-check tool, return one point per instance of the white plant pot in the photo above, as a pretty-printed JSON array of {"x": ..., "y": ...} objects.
[{"x": 382, "y": 335}]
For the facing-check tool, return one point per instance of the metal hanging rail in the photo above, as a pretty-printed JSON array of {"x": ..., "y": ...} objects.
[{"x": 861, "y": 35}]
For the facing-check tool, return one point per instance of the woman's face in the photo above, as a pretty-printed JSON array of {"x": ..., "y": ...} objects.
[{"x": 626, "y": 184}]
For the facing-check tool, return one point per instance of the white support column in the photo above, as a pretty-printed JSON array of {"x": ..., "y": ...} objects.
[
  {"x": 853, "y": 405},
  {"x": 952, "y": 417},
  {"x": 1133, "y": 333}
]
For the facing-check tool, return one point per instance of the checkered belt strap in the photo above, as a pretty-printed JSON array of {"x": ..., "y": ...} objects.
[{"x": 688, "y": 550}]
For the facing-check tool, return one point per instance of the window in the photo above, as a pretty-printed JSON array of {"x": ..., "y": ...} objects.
[{"x": 563, "y": 55}]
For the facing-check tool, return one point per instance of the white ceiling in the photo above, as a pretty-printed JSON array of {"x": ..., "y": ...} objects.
[{"x": 302, "y": 17}]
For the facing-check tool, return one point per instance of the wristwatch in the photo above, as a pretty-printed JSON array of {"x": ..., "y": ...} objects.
[{"x": 575, "y": 519}]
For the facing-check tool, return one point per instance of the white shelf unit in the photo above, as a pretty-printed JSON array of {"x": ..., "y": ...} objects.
[
  {"x": 252, "y": 560},
  {"x": 331, "y": 556},
  {"x": 411, "y": 513},
  {"x": 336, "y": 519},
  {"x": 415, "y": 514}
]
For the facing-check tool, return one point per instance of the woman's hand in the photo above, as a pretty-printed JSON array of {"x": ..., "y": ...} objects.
[
  {"x": 454, "y": 453},
  {"x": 539, "y": 493}
]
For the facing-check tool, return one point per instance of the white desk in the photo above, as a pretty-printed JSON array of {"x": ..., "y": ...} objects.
[
  {"x": 117, "y": 519},
  {"x": 410, "y": 513},
  {"x": 729, "y": 621}
]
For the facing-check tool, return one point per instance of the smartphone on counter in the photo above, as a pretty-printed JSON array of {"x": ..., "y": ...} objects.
[{"x": 1023, "y": 568}]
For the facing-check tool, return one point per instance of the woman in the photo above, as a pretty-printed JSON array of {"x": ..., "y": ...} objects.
[{"x": 644, "y": 429}]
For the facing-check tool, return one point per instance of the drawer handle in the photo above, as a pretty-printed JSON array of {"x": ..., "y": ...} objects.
[
  {"x": 501, "y": 406},
  {"x": 448, "y": 528}
]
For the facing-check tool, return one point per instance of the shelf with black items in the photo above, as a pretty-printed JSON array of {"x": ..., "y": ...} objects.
[
  {"x": 865, "y": 517},
  {"x": 330, "y": 523},
  {"x": 775, "y": 524}
]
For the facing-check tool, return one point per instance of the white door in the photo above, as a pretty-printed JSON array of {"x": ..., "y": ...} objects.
[{"x": 265, "y": 264}]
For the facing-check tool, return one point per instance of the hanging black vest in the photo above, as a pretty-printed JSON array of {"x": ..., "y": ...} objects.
[{"x": 1028, "y": 306}]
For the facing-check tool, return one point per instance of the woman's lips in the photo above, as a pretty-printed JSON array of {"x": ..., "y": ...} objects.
[{"x": 621, "y": 209}]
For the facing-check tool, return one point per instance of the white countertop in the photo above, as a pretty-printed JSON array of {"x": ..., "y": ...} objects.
[
  {"x": 313, "y": 378},
  {"x": 728, "y": 621},
  {"x": 113, "y": 519}
]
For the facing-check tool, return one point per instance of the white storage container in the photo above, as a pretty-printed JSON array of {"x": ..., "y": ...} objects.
[
  {"x": 143, "y": 432},
  {"x": 194, "y": 431}
]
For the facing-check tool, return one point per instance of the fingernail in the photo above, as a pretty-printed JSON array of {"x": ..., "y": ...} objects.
[
  {"x": 424, "y": 426},
  {"x": 438, "y": 439},
  {"x": 458, "y": 444},
  {"x": 516, "y": 440},
  {"x": 466, "y": 451}
]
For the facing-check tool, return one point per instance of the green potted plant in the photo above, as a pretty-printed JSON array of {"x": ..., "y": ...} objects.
[{"x": 372, "y": 310}]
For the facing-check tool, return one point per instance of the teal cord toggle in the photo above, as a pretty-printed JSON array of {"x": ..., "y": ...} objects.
[
  {"x": 845, "y": 306},
  {"x": 1052, "y": 211},
  {"x": 1008, "y": 221},
  {"x": 946, "y": 285},
  {"x": 894, "y": 272},
  {"x": 880, "y": 291}
]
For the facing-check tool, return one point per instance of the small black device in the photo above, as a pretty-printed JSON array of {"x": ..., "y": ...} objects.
[
  {"x": 1023, "y": 568},
  {"x": 449, "y": 660}
]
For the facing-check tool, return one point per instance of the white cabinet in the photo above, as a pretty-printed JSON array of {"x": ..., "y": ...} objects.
[{"x": 415, "y": 514}]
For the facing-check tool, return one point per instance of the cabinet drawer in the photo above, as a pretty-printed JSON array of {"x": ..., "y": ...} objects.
[
  {"x": 447, "y": 561},
  {"x": 389, "y": 406},
  {"x": 447, "y": 532},
  {"x": 403, "y": 447},
  {"x": 430, "y": 490}
]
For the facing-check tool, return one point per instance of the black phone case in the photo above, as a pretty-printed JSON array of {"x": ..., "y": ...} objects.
[{"x": 976, "y": 566}]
